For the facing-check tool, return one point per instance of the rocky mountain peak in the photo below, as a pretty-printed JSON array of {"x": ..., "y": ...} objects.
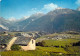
[
  {"x": 37, "y": 14},
  {"x": 78, "y": 8}
]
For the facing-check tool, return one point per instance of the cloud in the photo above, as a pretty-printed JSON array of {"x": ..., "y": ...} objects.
[
  {"x": 0, "y": 0},
  {"x": 49, "y": 7},
  {"x": 46, "y": 8},
  {"x": 78, "y": 2}
]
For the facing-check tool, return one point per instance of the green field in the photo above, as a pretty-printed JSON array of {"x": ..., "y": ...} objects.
[
  {"x": 45, "y": 51},
  {"x": 24, "y": 53}
]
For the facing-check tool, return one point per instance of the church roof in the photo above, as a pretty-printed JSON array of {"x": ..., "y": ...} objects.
[
  {"x": 21, "y": 40},
  {"x": 5, "y": 39}
]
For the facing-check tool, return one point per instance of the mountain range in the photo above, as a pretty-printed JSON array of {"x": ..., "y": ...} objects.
[{"x": 58, "y": 20}]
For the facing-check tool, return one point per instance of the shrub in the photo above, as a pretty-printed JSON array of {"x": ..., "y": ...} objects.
[
  {"x": 15, "y": 47},
  {"x": 43, "y": 43},
  {"x": 40, "y": 43},
  {"x": 76, "y": 44}
]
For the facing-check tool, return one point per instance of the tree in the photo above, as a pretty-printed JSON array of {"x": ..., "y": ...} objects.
[{"x": 15, "y": 47}]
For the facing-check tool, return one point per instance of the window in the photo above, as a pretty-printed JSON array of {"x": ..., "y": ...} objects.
[{"x": 32, "y": 42}]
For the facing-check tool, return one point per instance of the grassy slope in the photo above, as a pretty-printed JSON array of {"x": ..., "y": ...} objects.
[
  {"x": 40, "y": 51},
  {"x": 51, "y": 49},
  {"x": 73, "y": 50},
  {"x": 44, "y": 51}
]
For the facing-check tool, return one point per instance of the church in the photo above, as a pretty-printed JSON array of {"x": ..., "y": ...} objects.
[{"x": 24, "y": 42}]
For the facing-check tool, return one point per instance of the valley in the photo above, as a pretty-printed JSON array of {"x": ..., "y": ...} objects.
[{"x": 39, "y": 27}]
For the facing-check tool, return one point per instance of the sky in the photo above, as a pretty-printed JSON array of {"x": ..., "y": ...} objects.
[{"x": 24, "y": 8}]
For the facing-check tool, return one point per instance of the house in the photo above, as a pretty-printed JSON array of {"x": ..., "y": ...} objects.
[{"x": 24, "y": 42}]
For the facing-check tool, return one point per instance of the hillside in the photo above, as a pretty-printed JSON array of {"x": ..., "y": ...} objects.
[
  {"x": 56, "y": 21},
  {"x": 4, "y": 24}
]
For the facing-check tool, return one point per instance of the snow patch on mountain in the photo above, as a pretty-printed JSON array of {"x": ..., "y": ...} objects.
[
  {"x": 12, "y": 19},
  {"x": 60, "y": 8},
  {"x": 26, "y": 17},
  {"x": 6, "y": 28}
]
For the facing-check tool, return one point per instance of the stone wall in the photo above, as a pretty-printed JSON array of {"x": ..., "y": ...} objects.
[{"x": 11, "y": 43}]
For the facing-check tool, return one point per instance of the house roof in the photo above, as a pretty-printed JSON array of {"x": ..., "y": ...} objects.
[{"x": 21, "y": 40}]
